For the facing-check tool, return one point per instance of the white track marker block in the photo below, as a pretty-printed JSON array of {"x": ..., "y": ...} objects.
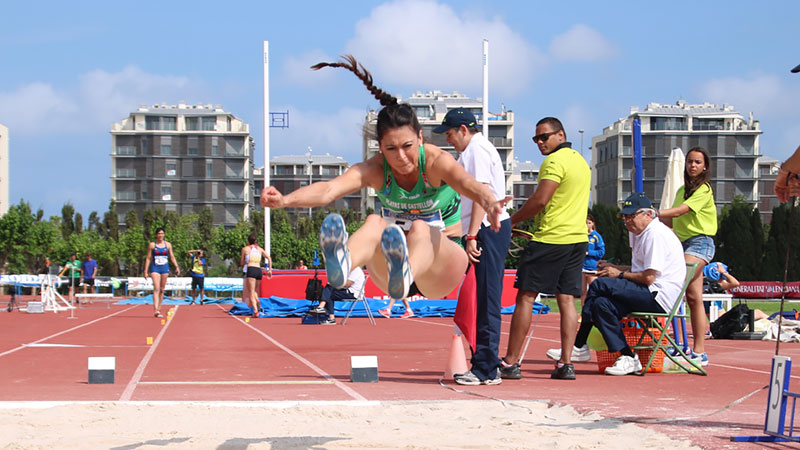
[
  {"x": 364, "y": 369},
  {"x": 101, "y": 369}
]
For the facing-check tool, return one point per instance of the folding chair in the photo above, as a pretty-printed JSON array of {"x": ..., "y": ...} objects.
[
  {"x": 362, "y": 298},
  {"x": 650, "y": 323}
]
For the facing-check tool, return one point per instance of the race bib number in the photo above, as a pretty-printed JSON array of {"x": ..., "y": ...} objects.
[
  {"x": 161, "y": 260},
  {"x": 403, "y": 220}
]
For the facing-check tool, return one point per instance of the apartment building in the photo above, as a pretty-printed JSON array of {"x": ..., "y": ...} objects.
[
  {"x": 731, "y": 139},
  {"x": 291, "y": 172},
  {"x": 431, "y": 108},
  {"x": 182, "y": 158}
]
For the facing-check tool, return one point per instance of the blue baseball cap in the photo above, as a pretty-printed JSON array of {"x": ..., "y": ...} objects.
[
  {"x": 455, "y": 118},
  {"x": 635, "y": 202}
]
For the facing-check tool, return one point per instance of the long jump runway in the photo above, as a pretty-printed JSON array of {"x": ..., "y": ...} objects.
[{"x": 203, "y": 354}]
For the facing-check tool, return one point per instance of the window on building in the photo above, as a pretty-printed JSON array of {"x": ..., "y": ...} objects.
[
  {"x": 152, "y": 123},
  {"x": 192, "y": 190},
  {"x": 144, "y": 145},
  {"x": 209, "y": 123},
  {"x": 166, "y": 149},
  {"x": 160, "y": 122},
  {"x": 209, "y": 169},
  {"x": 187, "y": 169},
  {"x": 126, "y": 195},
  {"x": 144, "y": 195},
  {"x": 193, "y": 123},
  {"x": 169, "y": 123},
  {"x": 668, "y": 123},
  {"x": 708, "y": 124},
  {"x": 126, "y": 150},
  {"x": 423, "y": 111},
  {"x": 215, "y": 191},
  {"x": 171, "y": 168},
  {"x": 329, "y": 170},
  {"x": 166, "y": 192},
  {"x": 192, "y": 146}
]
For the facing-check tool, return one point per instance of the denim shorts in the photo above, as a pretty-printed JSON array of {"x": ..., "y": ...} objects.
[{"x": 701, "y": 246}]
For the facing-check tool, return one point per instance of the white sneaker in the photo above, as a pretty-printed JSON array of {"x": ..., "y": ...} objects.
[
  {"x": 625, "y": 365},
  {"x": 581, "y": 354}
]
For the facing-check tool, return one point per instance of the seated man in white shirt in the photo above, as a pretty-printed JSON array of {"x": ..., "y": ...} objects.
[
  {"x": 651, "y": 284},
  {"x": 353, "y": 286}
]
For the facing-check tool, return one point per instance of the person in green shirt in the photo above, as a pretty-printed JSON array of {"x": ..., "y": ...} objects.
[
  {"x": 74, "y": 276},
  {"x": 553, "y": 261},
  {"x": 693, "y": 218}
]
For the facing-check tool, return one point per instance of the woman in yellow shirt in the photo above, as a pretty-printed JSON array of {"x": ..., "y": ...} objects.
[{"x": 693, "y": 218}]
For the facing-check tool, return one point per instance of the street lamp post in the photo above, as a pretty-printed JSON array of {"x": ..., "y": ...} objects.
[
  {"x": 310, "y": 171},
  {"x": 581, "y": 132}
]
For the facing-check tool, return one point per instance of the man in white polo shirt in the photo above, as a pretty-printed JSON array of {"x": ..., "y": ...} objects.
[
  {"x": 651, "y": 284},
  {"x": 485, "y": 249}
]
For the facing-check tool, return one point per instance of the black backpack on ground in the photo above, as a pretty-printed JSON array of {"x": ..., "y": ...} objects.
[
  {"x": 731, "y": 322},
  {"x": 314, "y": 288}
]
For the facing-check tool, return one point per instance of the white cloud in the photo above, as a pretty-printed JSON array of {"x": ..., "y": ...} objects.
[
  {"x": 764, "y": 94},
  {"x": 428, "y": 45},
  {"x": 110, "y": 97},
  {"x": 36, "y": 107},
  {"x": 582, "y": 43},
  {"x": 99, "y": 99}
]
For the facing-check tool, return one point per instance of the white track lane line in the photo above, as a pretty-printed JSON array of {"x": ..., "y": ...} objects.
[
  {"x": 63, "y": 332},
  {"x": 352, "y": 393},
  {"x": 137, "y": 374}
]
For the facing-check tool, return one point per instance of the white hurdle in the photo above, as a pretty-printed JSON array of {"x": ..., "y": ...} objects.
[
  {"x": 53, "y": 301},
  {"x": 107, "y": 298}
]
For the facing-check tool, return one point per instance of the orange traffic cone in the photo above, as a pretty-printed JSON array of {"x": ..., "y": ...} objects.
[{"x": 457, "y": 362}]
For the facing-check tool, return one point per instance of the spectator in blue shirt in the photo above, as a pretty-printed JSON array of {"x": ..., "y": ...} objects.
[
  {"x": 89, "y": 273},
  {"x": 594, "y": 253}
]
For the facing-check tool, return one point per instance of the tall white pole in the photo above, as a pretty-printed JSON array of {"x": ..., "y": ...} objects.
[
  {"x": 485, "y": 88},
  {"x": 266, "y": 143}
]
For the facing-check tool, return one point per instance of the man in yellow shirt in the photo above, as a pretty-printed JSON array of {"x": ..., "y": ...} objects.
[{"x": 553, "y": 260}]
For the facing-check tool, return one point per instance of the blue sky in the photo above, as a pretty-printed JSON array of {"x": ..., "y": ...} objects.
[{"x": 71, "y": 69}]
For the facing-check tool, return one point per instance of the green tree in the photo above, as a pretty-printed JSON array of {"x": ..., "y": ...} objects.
[
  {"x": 740, "y": 239},
  {"x": 78, "y": 222},
  {"x": 131, "y": 219},
  {"x": 94, "y": 221},
  {"x": 132, "y": 250},
  {"x": 775, "y": 250},
  {"x": 205, "y": 226},
  {"x": 14, "y": 228},
  {"x": 67, "y": 220},
  {"x": 615, "y": 235},
  {"x": 111, "y": 222}
]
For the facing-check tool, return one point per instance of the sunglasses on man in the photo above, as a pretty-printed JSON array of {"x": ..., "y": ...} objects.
[{"x": 544, "y": 136}]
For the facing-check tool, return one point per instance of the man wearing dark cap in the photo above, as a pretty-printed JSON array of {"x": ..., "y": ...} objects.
[
  {"x": 553, "y": 261},
  {"x": 485, "y": 248},
  {"x": 651, "y": 284}
]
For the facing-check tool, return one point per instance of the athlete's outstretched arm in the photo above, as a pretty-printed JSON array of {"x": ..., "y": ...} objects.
[{"x": 320, "y": 193}]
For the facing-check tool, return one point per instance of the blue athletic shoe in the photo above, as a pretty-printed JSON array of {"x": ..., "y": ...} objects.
[
  {"x": 333, "y": 242},
  {"x": 701, "y": 358},
  {"x": 395, "y": 250}
]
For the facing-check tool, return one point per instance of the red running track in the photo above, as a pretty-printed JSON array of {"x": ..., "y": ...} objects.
[{"x": 203, "y": 354}]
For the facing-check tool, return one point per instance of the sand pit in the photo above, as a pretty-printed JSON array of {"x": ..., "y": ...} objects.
[{"x": 467, "y": 424}]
